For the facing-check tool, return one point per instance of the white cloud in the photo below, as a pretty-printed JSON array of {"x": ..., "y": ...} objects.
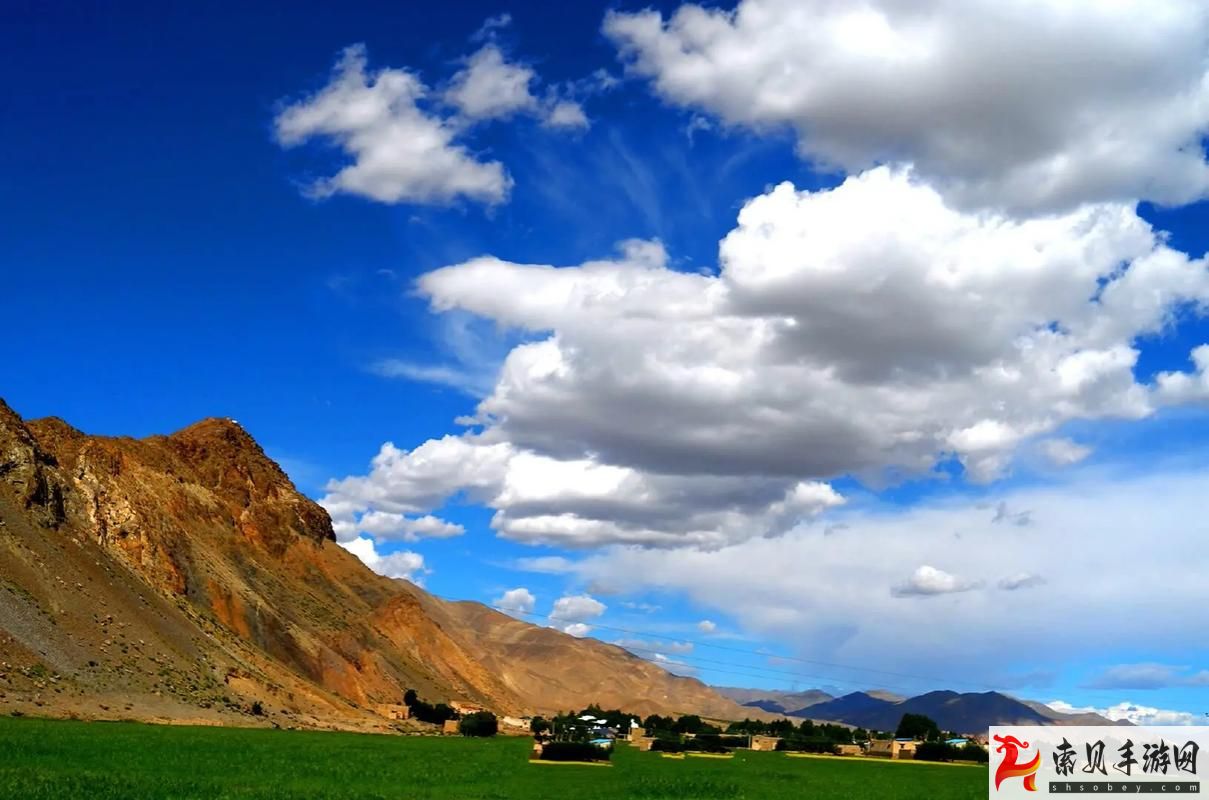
[
  {"x": 1107, "y": 576},
  {"x": 1148, "y": 676},
  {"x": 519, "y": 600},
  {"x": 552, "y": 565},
  {"x": 566, "y": 114},
  {"x": 403, "y": 564},
  {"x": 927, "y": 581},
  {"x": 1137, "y": 714},
  {"x": 471, "y": 383},
  {"x": 1021, "y": 580},
  {"x": 489, "y": 87},
  {"x": 867, "y": 330},
  {"x": 1063, "y": 452},
  {"x": 399, "y": 151},
  {"x": 1032, "y": 105},
  {"x": 707, "y": 626},
  {"x": 389, "y": 525},
  {"x": 577, "y": 608},
  {"x": 577, "y": 629},
  {"x": 1187, "y": 387},
  {"x": 646, "y": 648},
  {"x": 490, "y": 26}
]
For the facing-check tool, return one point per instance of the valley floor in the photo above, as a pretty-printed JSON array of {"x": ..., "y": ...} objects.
[{"x": 52, "y": 759}]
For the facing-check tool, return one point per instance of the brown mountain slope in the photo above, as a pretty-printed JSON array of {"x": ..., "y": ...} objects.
[
  {"x": 535, "y": 662},
  {"x": 183, "y": 577}
]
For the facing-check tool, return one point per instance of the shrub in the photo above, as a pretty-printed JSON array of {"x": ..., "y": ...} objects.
[
  {"x": 257, "y": 708},
  {"x": 574, "y": 751},
  {"x": 713, "y": 743},
  {"x": 800, "y": 745},
  {"x": 480, "y": 723},
  {"x": 667, "y": 746},
  {"x": 939, "y": 751}
]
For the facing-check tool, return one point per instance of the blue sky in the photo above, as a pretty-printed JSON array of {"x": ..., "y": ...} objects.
[{"x": 169, "y": 257}]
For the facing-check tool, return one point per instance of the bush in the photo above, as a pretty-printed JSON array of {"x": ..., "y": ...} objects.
[
  {"x": 257, "y": 709},
  {"x": 480, "y": 723},
  {"x": 799, "y": 745},
  {"x": 939, "y": 751},
  {"x": 574, "y": 751},
  {"x": 713, "y": 743},
  {"x": 667, "y": 746},
  {"x": 973, "y": 752},
  {"x": 425, "y": 712}
]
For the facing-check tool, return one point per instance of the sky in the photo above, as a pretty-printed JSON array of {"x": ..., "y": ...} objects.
[{"x": 788, "y": 344}]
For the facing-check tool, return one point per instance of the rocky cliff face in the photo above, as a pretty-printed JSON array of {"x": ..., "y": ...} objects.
[{"x": 183, "y": 577}]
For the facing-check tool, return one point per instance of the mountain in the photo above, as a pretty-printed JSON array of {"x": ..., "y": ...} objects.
[
  {"x": 772, "y": 700},
  {"x": 1076, "y": 718},
  {"x": 969, "y": 712},
  {"x": 856, "y": 705},
  {"x": 184, "y": 578}
]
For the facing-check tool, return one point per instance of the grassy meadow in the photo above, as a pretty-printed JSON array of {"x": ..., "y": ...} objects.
[{"x": 53, "y": 759}]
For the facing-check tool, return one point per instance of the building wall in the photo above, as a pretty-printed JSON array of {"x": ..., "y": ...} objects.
[
  {"x": 764, "y": 743},
  {"x": 393, "y": 711}
]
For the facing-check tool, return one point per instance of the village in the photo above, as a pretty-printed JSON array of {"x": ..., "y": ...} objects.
[{"x": 591, "y": 734}]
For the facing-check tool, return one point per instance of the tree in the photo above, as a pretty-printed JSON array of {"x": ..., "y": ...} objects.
[
  {"x": 410, "y": 697},
  {"x": 538, "y": 726},
  {"x": 657, "y": 723},
  {"x": 479, "y": 723},
  {"x": 917, "y": 726}
]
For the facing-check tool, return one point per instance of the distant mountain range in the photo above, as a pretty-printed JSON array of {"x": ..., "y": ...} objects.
[{"x": 968, "y": 712}]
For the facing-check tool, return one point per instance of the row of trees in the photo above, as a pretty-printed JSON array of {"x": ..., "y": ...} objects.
[
  {"x": 806, "y": 729},
  {"x": 687, "y": 723},
  {"x": 426, "y": 712},
  {"x": 478, "y": 723}
]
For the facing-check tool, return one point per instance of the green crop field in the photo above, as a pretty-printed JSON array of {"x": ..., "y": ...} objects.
[{"x": 104, "y": 761}]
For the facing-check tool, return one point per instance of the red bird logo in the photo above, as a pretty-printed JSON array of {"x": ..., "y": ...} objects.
[{"x": 1010, "y": 766}]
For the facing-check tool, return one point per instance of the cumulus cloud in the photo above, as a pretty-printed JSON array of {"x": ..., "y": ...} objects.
[
  {"x": 403, "y": 564},
  {"x": 927, "y": 581},
  {"x": 1131, "y": 712},
  {"x": 399, "y": 151},
  {"x": 572, "y": 613},
  {"x": 489, "y": 87},
  {"x": 707, "y": 626},
  {"x": 388, "y": 525},
  {"x": 1187, "y": 387},
  {"x": 519, "y": 600},
  {"x": 1148, "y": 676},
  {"x": 566, "y": 114},
  {"x": 870, "y": 330},
  {"x": 407, "y": 144},
  {"x": 576, "y": 608},
  {"x": 1038, "y": 105}
]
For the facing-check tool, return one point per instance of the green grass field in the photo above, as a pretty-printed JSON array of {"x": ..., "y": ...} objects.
[{"x": 104, "y": 761}]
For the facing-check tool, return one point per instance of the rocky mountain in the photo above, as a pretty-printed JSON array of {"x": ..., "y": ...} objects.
[
  {"x": 184, "y": 578},
  {"x": 772, "y": 700},
  {"x": 968, "y": 712}
]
